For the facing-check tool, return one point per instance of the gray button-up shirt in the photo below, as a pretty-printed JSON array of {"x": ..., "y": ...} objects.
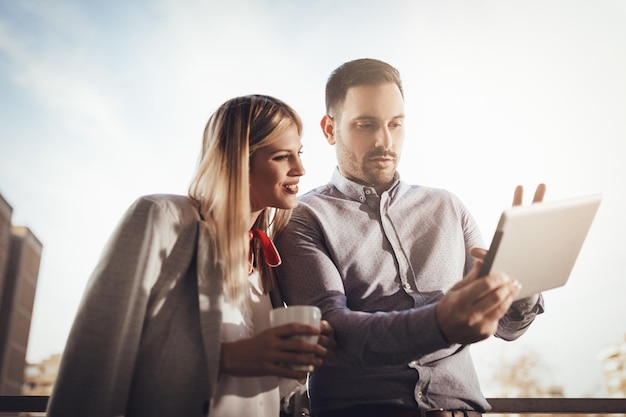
[{"x": 376, "y": 266}]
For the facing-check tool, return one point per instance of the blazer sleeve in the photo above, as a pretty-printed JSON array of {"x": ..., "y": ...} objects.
[{"x": 97, "y": 365}]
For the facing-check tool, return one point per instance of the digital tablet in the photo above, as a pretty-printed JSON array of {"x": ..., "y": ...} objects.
[{"x": 538, "y": 244}]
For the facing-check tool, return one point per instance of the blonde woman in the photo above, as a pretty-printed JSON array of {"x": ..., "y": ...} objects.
[{"x": 174, "y": 320}]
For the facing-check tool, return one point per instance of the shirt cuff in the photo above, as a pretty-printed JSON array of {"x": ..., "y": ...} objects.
[{"x": 528, "y": 305}]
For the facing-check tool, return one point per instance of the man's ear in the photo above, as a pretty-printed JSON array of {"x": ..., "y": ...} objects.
[{"x": 328, "y": 128}]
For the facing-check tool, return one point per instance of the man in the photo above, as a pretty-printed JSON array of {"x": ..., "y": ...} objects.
[{"x": 393, "y": 268}]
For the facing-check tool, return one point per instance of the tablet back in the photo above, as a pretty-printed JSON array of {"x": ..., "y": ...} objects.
[{"x": 538, "y": 244}]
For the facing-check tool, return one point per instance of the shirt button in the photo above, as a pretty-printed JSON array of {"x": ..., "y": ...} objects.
[
  {"x": 407, "y": 286},
  {"x": 419, "y": 394}
]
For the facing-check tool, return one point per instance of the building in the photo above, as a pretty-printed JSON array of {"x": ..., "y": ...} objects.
[
  {"x": 6, "y": 211},
  {"x": 39, "y": 377},
  {"x": 614, "y": 369},
  {"x": 20, "y": 256}
]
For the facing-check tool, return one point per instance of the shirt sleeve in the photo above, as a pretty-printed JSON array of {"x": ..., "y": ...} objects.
[
  {"x": 309, "y": 276},
  {"x": 519, "y": 317}
]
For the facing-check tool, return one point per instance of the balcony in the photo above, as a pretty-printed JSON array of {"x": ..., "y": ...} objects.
[{"x": 9, "y": 405}]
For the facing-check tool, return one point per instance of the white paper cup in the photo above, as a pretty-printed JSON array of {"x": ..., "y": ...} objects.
[{"x": 310, "y": 315}]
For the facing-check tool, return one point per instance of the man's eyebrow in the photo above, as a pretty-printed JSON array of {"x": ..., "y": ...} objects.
[{"x": 366, "y": 117}]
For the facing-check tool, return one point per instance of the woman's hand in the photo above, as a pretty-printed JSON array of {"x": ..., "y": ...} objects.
[
  {"x": 327, "y": 340},
  {"x": 273, "y": 350}
]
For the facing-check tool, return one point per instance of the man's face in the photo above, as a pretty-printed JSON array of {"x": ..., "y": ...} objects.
[{"x": 368, "y": 131}]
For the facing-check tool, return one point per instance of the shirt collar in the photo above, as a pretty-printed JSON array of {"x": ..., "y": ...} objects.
[{"x": 359, "y": 192}]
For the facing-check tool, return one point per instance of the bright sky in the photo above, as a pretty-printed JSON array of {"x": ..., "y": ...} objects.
[{"x": 101, "y": 102}]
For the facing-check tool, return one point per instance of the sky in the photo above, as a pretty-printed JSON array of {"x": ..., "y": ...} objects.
[{"x": 102, "y": 102}]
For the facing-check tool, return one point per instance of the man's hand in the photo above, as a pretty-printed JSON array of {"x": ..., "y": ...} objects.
[
  {"x": 518, "y": 195},
  {"x": 470, "y": 310}
]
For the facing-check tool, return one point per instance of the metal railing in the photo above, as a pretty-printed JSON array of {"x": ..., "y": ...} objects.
[
  {"x": 557, "y": 405},
  {"x": 499, "y": 405},
  {"x": 23, "y": 403}
]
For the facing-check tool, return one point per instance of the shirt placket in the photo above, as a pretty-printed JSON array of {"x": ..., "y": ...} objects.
[{"x": 389, "y": 229}]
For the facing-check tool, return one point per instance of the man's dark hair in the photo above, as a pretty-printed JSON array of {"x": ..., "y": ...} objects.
[{"x": 364, "y": 71}]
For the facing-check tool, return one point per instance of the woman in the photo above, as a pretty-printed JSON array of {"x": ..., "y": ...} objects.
[{"x": 174, "y": 320}]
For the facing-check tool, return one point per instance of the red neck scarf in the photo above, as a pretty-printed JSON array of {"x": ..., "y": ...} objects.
[{"x": 272, "y": 258}]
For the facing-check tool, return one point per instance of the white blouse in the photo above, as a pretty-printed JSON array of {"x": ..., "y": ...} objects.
[{"x": 246, "y": 396}]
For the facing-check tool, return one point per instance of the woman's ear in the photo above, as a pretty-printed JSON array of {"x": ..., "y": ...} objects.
[{"x": 328, "y": 128}]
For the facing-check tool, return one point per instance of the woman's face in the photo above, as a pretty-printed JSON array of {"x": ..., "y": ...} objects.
[{"x": 275, "y": 171}]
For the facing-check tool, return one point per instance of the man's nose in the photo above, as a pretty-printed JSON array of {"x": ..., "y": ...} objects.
[{"x": 384, "y": 138}]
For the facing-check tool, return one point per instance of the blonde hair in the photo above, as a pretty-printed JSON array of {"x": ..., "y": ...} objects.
[{"x": 221, "y": 186}]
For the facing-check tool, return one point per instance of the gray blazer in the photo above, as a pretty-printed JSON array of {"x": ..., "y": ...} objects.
[{"x": 146, "y": 339}]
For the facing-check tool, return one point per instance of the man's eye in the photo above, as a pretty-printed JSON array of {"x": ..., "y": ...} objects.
[{"x": 365, "y": 125}]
